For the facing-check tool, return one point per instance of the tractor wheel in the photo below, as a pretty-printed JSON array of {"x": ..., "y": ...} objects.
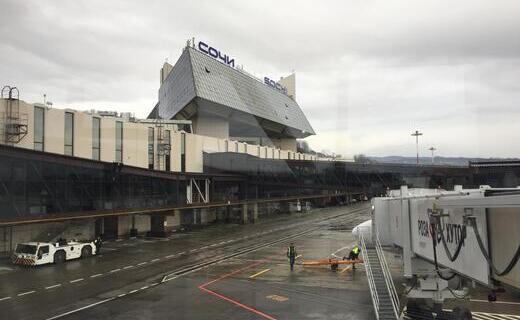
[
  {"x": 59, "y": 257},
  {"x": 86, "y": 252}
]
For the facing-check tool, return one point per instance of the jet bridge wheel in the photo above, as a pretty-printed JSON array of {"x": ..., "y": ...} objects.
[
  {"x": 417, "y": 309},
  {"x": 461, "y": 313}
]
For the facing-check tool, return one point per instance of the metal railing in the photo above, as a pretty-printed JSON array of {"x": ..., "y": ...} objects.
[
  {"x": 370, "y": 276},
  {"x": 387, "y": 276}
]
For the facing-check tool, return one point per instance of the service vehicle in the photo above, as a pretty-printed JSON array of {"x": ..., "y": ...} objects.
[{"x": 39, "y": 253}]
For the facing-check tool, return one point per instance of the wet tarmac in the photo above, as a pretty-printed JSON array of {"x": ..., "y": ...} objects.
[
  {"x": 218, "y": 272},
  {"x": 124, "y": 282}
]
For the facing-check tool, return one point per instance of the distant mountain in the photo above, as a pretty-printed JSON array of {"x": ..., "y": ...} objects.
[{"x": 452, "y": 161}]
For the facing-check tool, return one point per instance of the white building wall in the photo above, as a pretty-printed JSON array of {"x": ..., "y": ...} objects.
[
  {"x": 54, "y": 137},
  {"x": 135, "y": 140},
  {"x": 108, "y": 140},
  {"x": 82, "y": 135}
]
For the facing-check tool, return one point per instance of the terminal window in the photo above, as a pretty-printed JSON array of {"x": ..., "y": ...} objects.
[
  {"x": 183, "y": 152},
  {"x": 96, "y": 136},
  {"x": 69, "y": 133},
  {"x": 39, "y": 128},
  {"x": 150, "y": 147},
  {"x": 119, "y": 141},
  {"x": 167, "y": 141}
]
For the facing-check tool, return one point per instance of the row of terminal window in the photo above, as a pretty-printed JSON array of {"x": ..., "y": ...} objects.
[{"x": 39, "y": 134}]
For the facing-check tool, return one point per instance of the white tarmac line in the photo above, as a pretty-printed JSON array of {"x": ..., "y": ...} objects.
[
  {"x": 127, "y": 267},
  {"x": 79, "y": 309},
  {"x": 96, "y": 275},
  {"x": 53, "y": 286},
  {"x": 133, "y": 291},
  {"x": 26, "y": 293},
  {"x": 5, "y": 298},
  {"x": 115, "y": 270},
  {"x": 504, "y": 302},
  {"x": 76, "y": 280},
  {"x": 169, "y": 256},
  {"x": 142, "y": 263},
  {"x": 154, "y": 260}
]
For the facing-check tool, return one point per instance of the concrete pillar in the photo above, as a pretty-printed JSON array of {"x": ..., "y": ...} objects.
[
  {"x": 173, "y": 221},
  {"x": 245, "y": 217},
  {"x": 203, "y": 214},
  {"x": 285, "y": 207},
  {"x": 255, "y": 212},
  {"x": 196, "y": 219}
]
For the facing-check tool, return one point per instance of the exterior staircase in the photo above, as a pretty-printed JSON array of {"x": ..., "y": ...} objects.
[{"x": 382, "y": 289}]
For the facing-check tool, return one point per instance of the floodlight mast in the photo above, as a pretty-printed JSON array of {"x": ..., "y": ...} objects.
[
  {"x": 416, "y": 134},
  {"x": 432, "y": 149}
]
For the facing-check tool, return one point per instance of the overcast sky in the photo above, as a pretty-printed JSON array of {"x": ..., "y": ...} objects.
[{"x": 368, "y": 72}]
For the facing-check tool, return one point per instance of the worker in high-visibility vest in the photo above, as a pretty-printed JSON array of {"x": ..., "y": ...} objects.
[
  {"x": 291, "y": 254},
  {"x": 353, "y": 255}
]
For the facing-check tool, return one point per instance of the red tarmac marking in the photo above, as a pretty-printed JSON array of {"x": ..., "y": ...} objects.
[{"x": 230, "y": 300}]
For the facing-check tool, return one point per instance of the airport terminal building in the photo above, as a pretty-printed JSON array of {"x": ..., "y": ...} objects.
[
  {"x": 228, "y": 103},
  {"x": 219, "y": 145},
  {"x": 63, "y": 162}
]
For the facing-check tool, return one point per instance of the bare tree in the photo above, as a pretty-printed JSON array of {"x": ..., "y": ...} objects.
[{"x": 361, "y": 158}]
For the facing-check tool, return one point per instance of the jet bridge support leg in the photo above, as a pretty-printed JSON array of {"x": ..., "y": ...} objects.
[
  {"x": 244, "y": 214},
  {"x": 255, "y": 212}
]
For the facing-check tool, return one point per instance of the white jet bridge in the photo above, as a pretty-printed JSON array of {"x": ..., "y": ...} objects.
[{"x": 449, "y": 241}]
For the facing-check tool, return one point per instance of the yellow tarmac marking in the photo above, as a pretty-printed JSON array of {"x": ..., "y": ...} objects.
[
  {"x": 345, "y": 269},
  {"x": 277, "y": 298},
  {"x": 258, "y": 273}
]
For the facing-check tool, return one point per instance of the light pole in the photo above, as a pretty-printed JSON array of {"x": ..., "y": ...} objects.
[
  {"x": 432, "y": 149},
  {"x": 416, "y": 134}
]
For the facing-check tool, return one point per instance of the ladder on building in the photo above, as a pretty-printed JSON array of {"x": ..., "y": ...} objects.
[
  {"x": 382, "y": 289},
  {"x": 13, "y": 124}
]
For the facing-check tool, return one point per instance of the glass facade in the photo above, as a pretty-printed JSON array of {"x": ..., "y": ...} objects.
[
  {"x": 96, "y": 138},
  {"x": 150, "y": 147},
  {"x": 39, "y": 128},
  {"x": 35, "y": 187},
  {"x": 119, "y": 141},
  {"x": 69, "y": 133}
]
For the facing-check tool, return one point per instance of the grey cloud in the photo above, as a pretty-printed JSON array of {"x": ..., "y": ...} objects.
[{"x": 364, "y": 68}]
